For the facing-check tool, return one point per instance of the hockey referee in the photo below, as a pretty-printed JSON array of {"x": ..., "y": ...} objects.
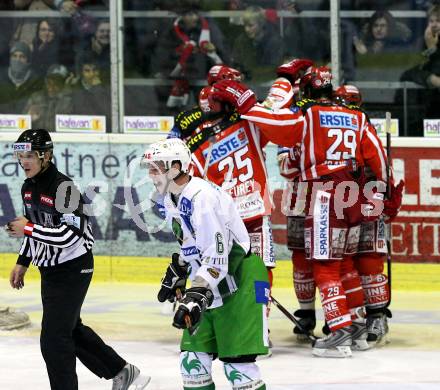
[{"x": 59, "y": 243}]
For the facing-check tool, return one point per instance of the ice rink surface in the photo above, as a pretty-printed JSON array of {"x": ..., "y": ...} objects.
[{"x": 130, "y": 319}]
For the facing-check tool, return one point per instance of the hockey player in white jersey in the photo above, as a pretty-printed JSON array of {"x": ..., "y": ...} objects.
[{"x": 223, "y": 313}]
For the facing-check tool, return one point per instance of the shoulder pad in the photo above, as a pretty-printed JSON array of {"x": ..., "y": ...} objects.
[
  {"x": 305, "y": 102},
  {"x": 187, "y": 121},
  {"x": 354, "y": 107}
]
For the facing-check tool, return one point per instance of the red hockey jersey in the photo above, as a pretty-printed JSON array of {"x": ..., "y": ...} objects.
[
  {"x": 237, "y": 164},
  {"x": 329, "y": 135}
]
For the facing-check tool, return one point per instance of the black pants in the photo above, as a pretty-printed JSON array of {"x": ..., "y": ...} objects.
[{"x": 63, "y": 336}]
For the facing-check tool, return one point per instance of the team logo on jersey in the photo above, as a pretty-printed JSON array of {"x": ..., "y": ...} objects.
[
  {"x": 214, "y": 272},
  {"x": 227, "y": 146},
  {"x": 185, "y": 206},
  {"x": 28, "y": 195},
  {"x": 47, "y": 200},
  {"x": 338, "y": 119}
]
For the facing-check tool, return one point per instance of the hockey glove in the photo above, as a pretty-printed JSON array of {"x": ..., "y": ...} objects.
[
  {"x": 235, "y": 93},
  {"x": 291, "y": 70},
  {"x": 174, "y": 279},
  {"x": 191, "y": 308},
  {"x": 391, "y": 206}
]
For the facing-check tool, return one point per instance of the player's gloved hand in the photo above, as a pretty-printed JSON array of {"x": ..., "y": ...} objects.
[
  {"x": 191, "y": 308},
  {"x": 391, "y": 206},
  {"x": 291, "y": 70},
  {"x": 235, "y": 93},
  {"x": 175, "y": 278}
]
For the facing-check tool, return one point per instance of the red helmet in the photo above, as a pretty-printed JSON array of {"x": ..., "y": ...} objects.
[
  {"x": 348, "y": 94},
  {"x": 206, "y": 104},
  {"x": 223, "y": 72},
  {"x": 316, "y": 77}
]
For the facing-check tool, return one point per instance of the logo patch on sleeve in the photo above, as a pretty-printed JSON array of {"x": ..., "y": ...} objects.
[
  {"x": 214, "y": 272},
  {"x": 72, "y": 220},
  {"x": 47, "y": 200},
  {"x": 262, "y": 292}
]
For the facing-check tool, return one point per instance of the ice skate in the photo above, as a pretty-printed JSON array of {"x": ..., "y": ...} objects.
[
  {"x": 11, "y": 319},
  {"x": 359, "y": 336},
  {"x": 307, "y": 320},
  {"x": 377, "y": 328},
  {"x": 337, "y": 344},
  {"x": 129, "y": 377}
]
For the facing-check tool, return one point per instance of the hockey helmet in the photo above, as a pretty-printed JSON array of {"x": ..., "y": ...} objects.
[
  {"x": 37, "y": 140},
  {"x": 316, "y": 78},
  {"x": 348, "y": 94},
  {"x": 207, "y": 105},
  {"x": 223, "y": 72},
  {"x": 167, "y": 151}
]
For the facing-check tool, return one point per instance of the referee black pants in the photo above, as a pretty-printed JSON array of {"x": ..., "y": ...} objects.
[{"x": 63, "y": 336}]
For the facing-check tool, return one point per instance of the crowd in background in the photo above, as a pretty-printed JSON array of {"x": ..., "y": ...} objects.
[{"x": 62, "y": 65}]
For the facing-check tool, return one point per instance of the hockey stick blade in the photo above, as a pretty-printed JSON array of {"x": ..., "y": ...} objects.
[{"x": 283, "y": 310}]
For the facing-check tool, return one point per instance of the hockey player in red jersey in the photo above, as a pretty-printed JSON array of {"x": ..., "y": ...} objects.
[
  {"x": 229, "y": 152},
  {"x": 335, "y": 142},
  {"x": 372, "y": 246},
  {"x": 283, "y": 94}
]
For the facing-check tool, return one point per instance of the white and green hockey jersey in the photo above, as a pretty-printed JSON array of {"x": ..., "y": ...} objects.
[{"x": 211, "y": 234}]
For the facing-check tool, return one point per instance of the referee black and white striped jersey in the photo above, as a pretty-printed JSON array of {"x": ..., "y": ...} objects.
[{"x": 51, "y": 236}]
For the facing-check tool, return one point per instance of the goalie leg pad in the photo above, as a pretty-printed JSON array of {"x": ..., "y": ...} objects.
[
  {"x": 195, "y": 368},
  {"x": 244, "y": 376},
  {"x": 303, "y": 280},
  {"x": 334, "y": 302}
]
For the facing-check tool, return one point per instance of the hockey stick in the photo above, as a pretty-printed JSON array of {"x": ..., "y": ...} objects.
[
  {"x": 286, "y": 312},
  {"x": 388, "y": 239}
]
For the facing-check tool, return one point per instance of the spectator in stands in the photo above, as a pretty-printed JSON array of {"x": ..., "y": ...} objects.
[
  {"x": 142, "y": 35},
  {"x": 46, "y": 46},
  {"x": 90, "y": 97},
  {"x": 427, "y": 73},
  {"x": 381, "y": 33},
  {"x": 25, "y": 28},
  {"x": 259, "y": 48},
  {"x": 18, "y": 82},
  {"x": 7, "y": 24},
  {"x": 295, "y": 31},
  {"x": 54, "y": 99},
  {"x": 185, "y": 53},
  {"x": 98, "y": 45}
]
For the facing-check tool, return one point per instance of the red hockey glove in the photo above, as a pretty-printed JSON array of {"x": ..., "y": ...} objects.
[
  {"x": 291, "y": 70},
  {"x": 391, "y": 206},
  {"x": 234, "y": 93}
]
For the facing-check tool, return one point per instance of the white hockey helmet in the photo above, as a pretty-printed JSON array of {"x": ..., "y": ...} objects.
[{"x": 167, "y": 151}]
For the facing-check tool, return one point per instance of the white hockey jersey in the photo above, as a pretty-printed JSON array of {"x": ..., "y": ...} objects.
[{"x": 210, "y": 231}]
